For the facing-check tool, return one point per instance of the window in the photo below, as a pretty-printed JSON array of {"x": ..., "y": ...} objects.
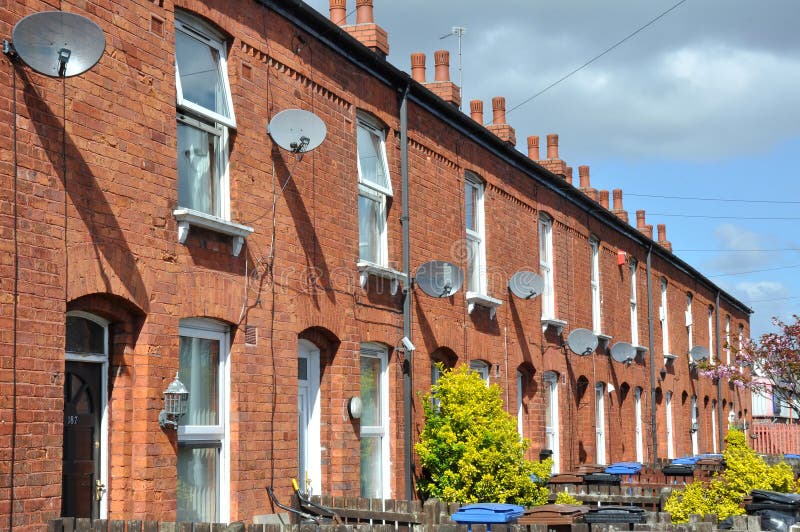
[
  {"x": 711, "y": 334},
  {"x": 374, "y": 422},
  {"x": 727, "y": 339},
  {"x": 714, "y": 426},
  {"x": 481, "y": 368},
  {"x": 520, "y": 406},
  {"x": 551, "y": 417},
  {"x": 374, "y": 187},
  {"x": 594, "y": 244},
  {"x": 664, "y": 315},
  {"x": 741, "y": 344},
  {"x": 205, "y": 115},
  {"x": 689, "y": 319},
  {"x": 695, "y": 428},
  {"x": 670, "y": 439},
  {"x": 546, "y": 266},
  {"x": 637, "y": 402},
  {"x": 203, "y": 446},
  {"x": 600, "y": 424},
  {"x": 476, "y": 241},
  {"x": 634, "y": 313}
]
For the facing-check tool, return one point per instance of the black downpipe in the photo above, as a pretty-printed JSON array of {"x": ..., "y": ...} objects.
[
  {"x": 408, "y": 395},
  {"x": 653, "y": 417}
]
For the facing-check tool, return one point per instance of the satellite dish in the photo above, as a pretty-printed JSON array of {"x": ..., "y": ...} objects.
[
  {"x": 296, "y": 130},
  {"x": 439, "y": 278},
  {"x": 58, "y": 44},
  {"x": 623, "y": 352},
  {"x": 582, "y": 342},
  {"x": 526, "y": 284},
  {"x": 699, "y": 353}
]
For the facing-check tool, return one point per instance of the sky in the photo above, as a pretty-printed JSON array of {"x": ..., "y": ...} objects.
[{"x": 696, "y": 116}]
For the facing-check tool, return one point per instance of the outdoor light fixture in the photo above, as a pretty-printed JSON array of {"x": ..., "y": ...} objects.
[{"x": 176, "y": 404}]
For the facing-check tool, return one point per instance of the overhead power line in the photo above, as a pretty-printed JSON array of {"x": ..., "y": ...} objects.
[
  {"x": 770, "y": 300},
  {"x": 719, "y": 250},
  {"x": 757, "y": 271},
  {"x": 598, "y": 56},
  {"x": 731, "y": 217},
  {"x": 693, "y": 198}
]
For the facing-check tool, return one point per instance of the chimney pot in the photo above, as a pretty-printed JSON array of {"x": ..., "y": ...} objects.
[
  {"x": 476, "y": 110},
  {"x": 640, "y": 221},
  {"x": 338, "y": 10},
  {"x": 617, "y": 192},
  {"x": 498, "y": 110},
  {"x": 533, "y": 147},
  {"x": 662, "y": 232},
  {"x": 604, "y": 199},
  {"x": 418, "y": 67},
  {"x": 583, "y": 172},
  {"x": 552, "y": 146},
  {"x": 364, "y": 12},
  {"x": 568, "y": 174},
  {"x": 442, "y": 61}
]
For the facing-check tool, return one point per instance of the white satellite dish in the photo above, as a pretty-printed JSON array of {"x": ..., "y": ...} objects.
[
  {"x": 296, "y": 130},
  {"x": 439, "y": 278},
  {"x": 699, "y": 353},
  {"x": 57, "y": 44},
  {"x": 623, "y": 352},
  {"x": 582, "y": 342},
  {"x": 526, "y": 284}
]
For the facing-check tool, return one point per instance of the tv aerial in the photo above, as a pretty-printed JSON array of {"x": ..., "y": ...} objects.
[
  {"x": 57, "y": 44},
  {"x": 698, "y": 353},
  {"x": 296, "y": 130},
  {"x": 439, "y": 278},
  {"x": 526, "y": 284},
  {"x": 582, "y": 342},
  {"x": 623, "y": 352}
]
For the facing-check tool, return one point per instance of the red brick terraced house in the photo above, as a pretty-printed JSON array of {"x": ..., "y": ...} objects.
[{"x": 150, "y": 227}]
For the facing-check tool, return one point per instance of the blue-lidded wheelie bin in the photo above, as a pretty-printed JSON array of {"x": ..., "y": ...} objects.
[{"x": 487, "y": 513}]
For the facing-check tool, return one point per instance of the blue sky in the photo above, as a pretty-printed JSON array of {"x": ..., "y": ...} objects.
[{"x": 702, "y": 103}]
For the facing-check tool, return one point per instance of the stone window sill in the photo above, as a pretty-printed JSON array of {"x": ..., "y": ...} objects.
[
  {"x": 482, "y": 300},
  {"x": 187, "y": 218},
  {"x": 366, "y": 268},
  {"x": 557, "y": 324}
]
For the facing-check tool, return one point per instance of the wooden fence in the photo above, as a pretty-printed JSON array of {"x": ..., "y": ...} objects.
[{"x": 776, "y": 438}]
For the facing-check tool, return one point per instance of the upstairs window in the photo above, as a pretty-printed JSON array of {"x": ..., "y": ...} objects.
[
  {"x": 476, "y": 238},
  {"x": 689, "y": 319},
  {"x": 374, "y": 187},
  {"x": 204, "y": 115},
  {"x": 634, "y": 305},
  {"x": 664, "y": 315},
  {"x": 711, "y": 334},
  {"x": 546, "y": 266},
  {"x": 594, "y": 244},
  {"x": 727, "y": 339}
]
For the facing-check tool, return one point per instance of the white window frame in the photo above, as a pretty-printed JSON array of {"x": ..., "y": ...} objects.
[
  {"x": 600, "y": 421},
  {"x": 481, "y": 368},
  {"x": 689, "y": 319},
  {"x": 594, "y": 245},
  {"x": 382, "y": 431},
  {"x": 375, "y": 192},
  {"x": 695, "y": 421},
  {"x": 741, "y": 343},
  {"x": 711, "y": 334},
  {"x": 546, "y": 266},
  {"x": 669, "y": 425},
  {"x": 639, "y": 430},
  {"x": 476, "y": 282},
  {"x": 664, "y": 315},
  {"x": 634, "y": 304},
  {"x": 552, "y": 433},
  {"x": 728, "y": 339},
  {"x": 219, "y": 433}
]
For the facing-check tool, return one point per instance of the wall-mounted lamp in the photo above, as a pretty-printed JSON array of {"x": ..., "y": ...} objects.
[
  {"x": 176, "y": 404},
  {"x": 407, "y": 345},
  {"x": 354, "y": 407}
]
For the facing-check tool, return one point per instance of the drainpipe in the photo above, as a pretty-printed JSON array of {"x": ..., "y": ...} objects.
[
  {"x": 408, "y": 395},
  {"x": 652, "y": 357},
  {"x": 719, "y": 384}
]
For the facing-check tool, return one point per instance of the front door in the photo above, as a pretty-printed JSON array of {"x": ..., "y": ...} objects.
[
  {"x": 81, "y": 484},
  {"x": 309, "y": 466}
]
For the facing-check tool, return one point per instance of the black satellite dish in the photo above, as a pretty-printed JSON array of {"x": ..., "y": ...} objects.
[
  {"x": 57, "y": 44},
  {"x": 582, "y": 342},
  {"x": 439, "y": 278},
  {"x": 526, "y": 284},
  {"x": 699, "y": 353},
  {"x": 296, "y": 130},
  {"x": 623, "y": 352}
]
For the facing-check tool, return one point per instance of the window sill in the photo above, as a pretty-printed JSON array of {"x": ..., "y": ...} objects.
[
  {"x": 603, "y": 340},
  {"x": 640, "y": 348},
  {"x": 557, "y": 324},
  {"x": 366, "y": 268},
  {"x": 482, "y": 300},
  {"x": 188, "y": 217},
  {"x": 669, "y": 357}
]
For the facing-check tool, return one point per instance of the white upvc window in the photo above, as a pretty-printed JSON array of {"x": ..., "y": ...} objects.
[
  {"x": 546, "y": 266},
  {"x": 634, "y": 304},
  {"x": 204, "y": 115},
  {"x": 637, "y": 401},
  {"x": 481, "y": 368},
  {"x": 689, "y": 325},
  {"x": 375, "y": 457},
  {"x": 668, "y": 413},
  {"x": 600, "y": 423},
  {"x": 727, "y": 339},
  {"x": 664, "y": 315},
  {"x": 741, "y": 344},
  {"x": 374, "y": 187},
  {"x": 476, "y": 234},
  {"x": 695, "y": 428},
  {"x": 594, "y": 244},
  {"x": 711, "y": 334},
  {"x": 203, "y": 435},
  {"x": 714, "y": 442},
  {"x": 551, "y": 419}
]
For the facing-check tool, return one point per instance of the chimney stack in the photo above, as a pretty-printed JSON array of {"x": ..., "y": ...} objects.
[
  {"x": 364, "y": 30},
  {"x": 619, "y": 210},
  {"x": 553, "y": 163},
  {"x": 662, "y": 238},
  {"x": 476, "y": 111},
  {"x": 568, "y": 175},
  {"x": 418, "y": 67},
  {"x": 441, "y": 86},
  {"x": 533, "y": 147},
  {"x": 586, "y": 185},
  {"x": 339, "y": 12},
  {"x": 498, "y": 125},
  {"x": 641, "y": 224},
  {"x": 604, "y": 199}
]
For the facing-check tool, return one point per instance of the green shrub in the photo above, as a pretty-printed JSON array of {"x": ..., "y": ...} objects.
[
  {"x": 565, "y": 497},
  {"x": 470, "y": 450}
]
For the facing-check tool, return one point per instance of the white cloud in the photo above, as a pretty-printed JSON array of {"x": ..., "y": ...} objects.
[
  {"x": 740, "y": 241},
  {"x": 757, "y": 291}
]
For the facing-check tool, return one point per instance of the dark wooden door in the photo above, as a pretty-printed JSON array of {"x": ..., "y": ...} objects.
[{"x": 81, "y": 460}]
